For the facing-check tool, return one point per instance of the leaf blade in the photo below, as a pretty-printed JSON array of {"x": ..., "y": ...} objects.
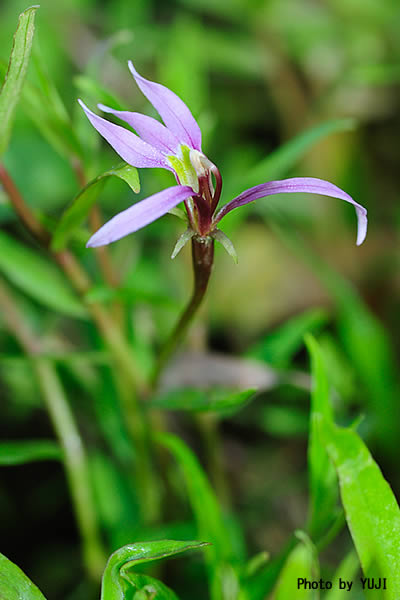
[
  {"x": 322, "y": 477},
  {"x": 14, "y": 584},
  {"x": 22, "y": 452},
  {"x": 75, "y": 214},
  {"x": 16, "y": 73},
  {"x": 128, "y": 556},
  {"x": 372, "y": 513},
  {"x": 37, "y": 277}
]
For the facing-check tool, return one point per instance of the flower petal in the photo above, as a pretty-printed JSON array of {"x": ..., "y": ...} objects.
[
  {"x": 139, "y": 215},
  {"x": 129, "y": 146},
  {"x": 309, "y": 185},
  {"x": 150, "y": 130},
  {"x": 172, "y": 110}
]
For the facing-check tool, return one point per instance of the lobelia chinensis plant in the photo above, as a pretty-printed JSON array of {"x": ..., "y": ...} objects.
[{"x": 176, "y": 146}]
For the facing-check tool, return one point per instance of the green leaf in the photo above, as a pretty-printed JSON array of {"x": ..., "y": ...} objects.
[
  {"x": 197, "y": 400},
  {"x": 17, "y": 69},
  {"x": 37, "y": 277},
  {"x": 14, "y": 584},
  {"x": 20, "y": 453},
  {"x": 347, "y": 571},
  {"x": 76, "y": 213},
  {"x": 360, "y": 332},
  {"x": 117, "y": 579},
  {"x": 204, "y": 503},
  {"x": 43, "y": 106},
  {"x": 300, "y": 564},
  {"x": 278, "y": 163},
  {"x": 207, "y": 513},
  {"x": 223, "y": 239},
  {"x": 149, "y": 588},
  {"x": 88, "y": 86},
  {"x": 182, "y": 241},
  {"x": 372, "y": 513},
  {"x": 323, "y": 482},
  {"x": 279, "y": 346}
]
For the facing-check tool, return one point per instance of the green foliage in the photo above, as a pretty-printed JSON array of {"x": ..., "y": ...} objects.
[
  {"x": 372, "y": 513},
  {"x": 322, "y": 477},
  {"x": 346, "y": 570},
  {"x": 119, "y": 583},
  {"x": 208, "y": 515},
  {"x": 282, "y": 160},
  {"x": 359, "y": 331},
  {"x": 14, "y": 584},
  {"x": 272, "y": 85},
  {"x": 279, "y": 346},
  {"x": 38, "y": 278},
  {"x": 15, "y": 77},
  {"x": 371, "y": 510},
  {"x": 215, "y": 400},
  {"x": 76, "y": 213},
  {"x": 302, "y": 563},
  {"x": 20, "y": 453}
]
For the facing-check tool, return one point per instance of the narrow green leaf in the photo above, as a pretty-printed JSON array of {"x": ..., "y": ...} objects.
[
  {"x": 197, "y": 400},
  {"x": 255, "y": 563},
  {"x": 299, "y": 566},
  {"x": 17, "y": 69},
  {"x": 14, "y": 584},
  {"x": 89, "y": 87},
  {"x": 346, "y": 571},
  {"x": 207, "y": 513},
  {"x": 279, "y": 346},
  {"x": 372, "y": 513},
  {"x": 204, "y": 503},
  {"x": 44, "y": 107},
  {"x": 323, "y": 482},
  {"x": 223, "y": 239},
  {"x": 147, "y": 588},
  {"x": 278, "y": 163},
  {"x": 359, "y": 331},
  {"x": 37, "y": 277},
  {"x": 76, "y": 213},
  {"x": 117, "y": 577},
  {"x": 20, "y": 453},
  {"x": 182, "y": 241}
]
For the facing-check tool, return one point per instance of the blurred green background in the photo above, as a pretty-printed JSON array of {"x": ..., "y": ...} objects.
[{"x": 256, "y": 74}]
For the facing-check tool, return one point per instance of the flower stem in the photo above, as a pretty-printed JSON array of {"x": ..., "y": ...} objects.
[
  {"x": 75, "y": 460},
  {"x": 202, "y": 259}
]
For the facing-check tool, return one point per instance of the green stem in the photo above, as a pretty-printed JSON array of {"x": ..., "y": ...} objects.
[
  {"x": 75, "y": 460},
  {"x": 202, "y": 258}
]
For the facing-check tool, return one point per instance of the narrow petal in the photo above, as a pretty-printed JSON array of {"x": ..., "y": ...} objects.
[
  {"x": 129, "y": 146},
  {"x": 309, "y": 185},
  {"x": 150, "y": 130},
  {"x": 172, "y": 110},
  {"x": 139, "y": 215}
]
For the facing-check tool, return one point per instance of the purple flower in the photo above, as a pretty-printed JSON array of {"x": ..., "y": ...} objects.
[{"x": 176, "y": 146}]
